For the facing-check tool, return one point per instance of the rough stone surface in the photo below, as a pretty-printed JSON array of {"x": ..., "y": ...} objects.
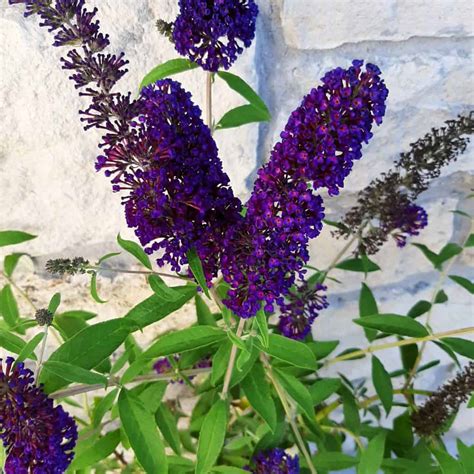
[
  {"x": 325, "y": 24},
  {"x": 48, "y": 185}
]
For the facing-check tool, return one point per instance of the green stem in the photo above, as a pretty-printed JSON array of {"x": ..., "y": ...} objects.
[
  {"x": 403, "y": 342},
  {"x": 331, "y": 429},
  {"x": 209, "y": 100},
  {"x": 39, "y": 362},
  {"x": 139, "y": 272},
  {"x": 232, "y": 357},
  {"x": 115, "y": 382},
  {"x": 288, "y": 411}
]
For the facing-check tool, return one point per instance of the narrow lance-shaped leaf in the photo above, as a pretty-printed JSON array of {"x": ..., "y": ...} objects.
[
  {"x": 240, "y": 86},
  {"x": 262, "y": 324},
  {"x": 8, "y": 306},
  {"x": 10, "y": 262},
  {"x": 211, "y": 438},
  {"x": 461, "y": 346},
  {"x": 134, "y": 249},
  {"x": 257, "y": 390},
  {"x": 382, "y": 383},
  {"x": 73, "y": 373},
  {"x": 142, "y": 433},
  {"x": 393, "y": 324},
  {"x": 367, "y": 307},
  {"x": 167, "y": 424},
  {"x": 358, "y": 265},
  {"x": 29, "y": 348},
  {"x": 54, "y": 303},
  {"x": 162, "y": 290},
  {"x": 242, "y": 115},
  {"x": 196, "y": 267},
  {"x": 297, "y": 391},
  {"x": 169, "y": 68},
  {"x": 204, "y": 315},
  {"x": 371, "y": 459},
  {"x": 464, "y": 282},
  {"x": 94, "y": 293},
  {"x": 12, "y": 237}
]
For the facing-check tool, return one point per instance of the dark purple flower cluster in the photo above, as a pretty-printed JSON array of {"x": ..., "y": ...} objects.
[
  {"x": 274, "y": 461},
  {"x": 409, "y": 222},
  {"x": 177, "y": 195},
  {"x": 323, "y": 136},
  {"x": 302, "y": 306},
  {"x": 212, "y": 33},
  {"x": 156, "y": 148},
  {"x": 38, "y": 437}
]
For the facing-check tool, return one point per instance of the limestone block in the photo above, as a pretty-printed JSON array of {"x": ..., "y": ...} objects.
[{"x": 326, "y": 24}]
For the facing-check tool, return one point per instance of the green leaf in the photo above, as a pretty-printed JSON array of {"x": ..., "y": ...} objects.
[
  {"x": 196, "y": 267},
  {"x": 136, "y": 250},
  {"x": 461, "y": 346},
  {"x": 237, "y": 341},
  {"x": 257, "y": 390},
  {"x": 466, "y": 455},
  {"x": 367, "y": 307},
  {"x": 447, "y": 252},
  {"x": 100, "y": 449},
  {"x": 393, "y": 324},
  {"x": 168, "y": 426},
  {"x": 297, "y": 391},
  {"x": 429, "y": 254},
  {"x": 447, "y": 463},
  {"x": 8, "y": 306},
  {"x": 322, "y": 349},
  {"x": 169, "y": 68},
  {"x": 29, "y": 348},
  {"x": 323, "y": 389},
  {"x": 242, "y": 115},
  {"x": 12, "y": 237},
  {"x": 382, "y": 383},
  {"x": 470, "y": 240},
  {"x": 69, "y": 325},
  {"x": 409, "y": 354},
  {"x": 73, "y": 373},
  {"x": 107, "y": 256},
  {"x": 162, "y": 290},
  {"x": 103, "y": 407},
  {"x": 229, "y": 470},
  {"x": 204, "y": 315},
  {"x": 184, "y": 340},
  {"x": 54, "y": 303},
  {"x": 241, "y": 87},
  {"x": 211, "y": 437},
  {"x": 94, "y": 293},
  {"x": 444, "y": 347},
  {"x": 152, "y": 395},
  {"x": 290, "y": 351},
  {"x": 350, "y": 409},
  {"x": 333, "y": 461},
  {"x": 464, "y": 282},
  {"x": 142, "y": 433},
  {"x": 358, "y": 265},
  {"x": 441, "y": 297},
  {"x": 262, "y": 324},
  {"x": 155, "y": 308},
  {"x": 88, "y": 348},
  {"x": 12, "y": 343},
  {"x": 220, "y": 361},
  {"x": 419, "y": 308},
  {"x": 10, "y": 262},
  {"x": 371, "y": 459}
]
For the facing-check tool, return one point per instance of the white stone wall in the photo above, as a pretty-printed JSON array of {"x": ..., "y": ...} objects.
[{"x": 48, "y": 185}]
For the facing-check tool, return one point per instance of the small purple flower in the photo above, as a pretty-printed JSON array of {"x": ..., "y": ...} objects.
[
  {"x": 274, "y": 461},
  {"x": 409, "y": 222},
  {"x": 38, "y": 437},
  {"x": 163, "y": 366},
  {"x": 213, "y": 33},
  {"x": 323, "y": 137},
  {"x": 301, "y": 309}
]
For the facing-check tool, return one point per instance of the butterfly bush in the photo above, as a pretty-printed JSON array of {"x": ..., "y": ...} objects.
[
  {"x": 275, "y": 461},
  {"x": 39, "y": 438},
  {"x": 213, "y": 33},
  {"x": 322, "y": 139}
]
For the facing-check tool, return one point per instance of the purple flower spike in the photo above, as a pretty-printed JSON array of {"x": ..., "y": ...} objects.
[
  {"x": 213, "y": 33},
  {"x": 301, "y": 309},
  {"x": 275, "y": 461},
  {"x": 322, "y": 138},
  {"x": 38, "y": 437},
  {"x": 409, "y": 222}
]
